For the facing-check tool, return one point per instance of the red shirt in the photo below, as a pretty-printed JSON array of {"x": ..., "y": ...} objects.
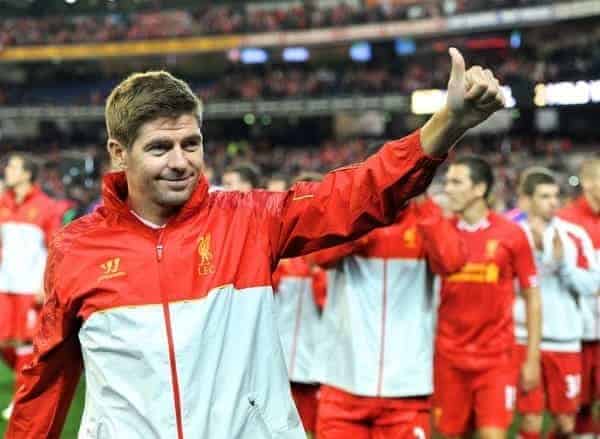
[{"x": 475, "y": 326}]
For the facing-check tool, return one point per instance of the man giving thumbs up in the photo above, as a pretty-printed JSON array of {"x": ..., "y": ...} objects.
[{"x": 163, "y": 296}]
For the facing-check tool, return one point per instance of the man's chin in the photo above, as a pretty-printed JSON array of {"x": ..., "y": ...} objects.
[
  {"x": 455, "y": 210},
  {"x": 175, "y": 198}
]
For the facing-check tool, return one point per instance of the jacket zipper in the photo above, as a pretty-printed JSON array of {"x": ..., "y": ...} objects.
[
  {"x": 383, "y": 318},
  {"x": 171, "y": 345},
  {"x": 260, "y": 419}
]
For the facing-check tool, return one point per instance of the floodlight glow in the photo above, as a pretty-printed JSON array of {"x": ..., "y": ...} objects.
[
  {"x": 253, "y": 55},
  {"x": 567, "y": 93},
  {"x": 360, "y": 52},
  {"x": 295, "y": 54},
  {"x": 405, "y": 46}
]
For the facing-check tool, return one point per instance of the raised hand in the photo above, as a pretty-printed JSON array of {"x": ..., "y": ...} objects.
[
  {"x": 537, "y": 227},
  {"x": 557, "y": 248},
  {"x": 473, "y": 95}
]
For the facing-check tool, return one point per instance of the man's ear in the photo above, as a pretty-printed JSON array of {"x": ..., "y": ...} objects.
[
  {"x": 480, "y": 189},
  {"x": 118, "y": 154},
  {"x": 28, "y": 174}
]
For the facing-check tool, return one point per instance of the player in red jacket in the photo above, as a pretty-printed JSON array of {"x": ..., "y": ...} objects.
[
  {"x": 475, "y": 377},
  {"x": 28, "y": 219},
  {"x": 585, "y": 212},
  {"x": 375, "y": 350},
  {"x": 164, "y": 293}
]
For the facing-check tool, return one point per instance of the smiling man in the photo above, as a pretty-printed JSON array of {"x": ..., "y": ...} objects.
[{"x": 164, "y": 293}]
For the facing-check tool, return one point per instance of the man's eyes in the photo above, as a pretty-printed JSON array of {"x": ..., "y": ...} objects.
[
  {"x": 192, "y": 145},
  {"x": 157, "y": 149},
  {"x": 160, "y": 149}
]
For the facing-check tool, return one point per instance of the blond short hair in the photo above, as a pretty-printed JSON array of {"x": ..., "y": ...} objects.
[{"x": 144, "y": 97}]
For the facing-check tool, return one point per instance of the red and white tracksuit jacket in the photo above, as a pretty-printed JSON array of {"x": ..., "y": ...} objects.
[
  {"x": 176, "y": 326},
  {"x": 299, "y": 297},
  {"x": 25, "y": 230},
  {"x": 377, "y": 328},
  {"x": 579, "y": 212}
]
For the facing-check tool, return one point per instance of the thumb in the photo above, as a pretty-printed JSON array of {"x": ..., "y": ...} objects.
[
  {"x": 557, "y": 242},
  {"x": 457, "y": 74}
]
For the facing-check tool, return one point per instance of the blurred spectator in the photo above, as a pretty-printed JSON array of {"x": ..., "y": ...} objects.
[
  {"x": 510, "y": 155},
  {"x": 242, "y": 177},
  {"x": 227, "y": 19},
  {"x": 543, "y": 60}
]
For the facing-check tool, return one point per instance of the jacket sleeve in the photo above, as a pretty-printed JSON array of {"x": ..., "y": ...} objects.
[
  {"x": 580, "y": 270},
  {"x": 349, "y": 201},
  {"x": 51, "y": 225},
  {"x": 329, "y": 257},
  {"x": 444, "y": 249},
  {"x": 50, "y": 380},
  {"x": 279, "y": 272},
  {"x": 319, "y": 286},
  {"x": 275, "y": 280},
  {"x": 523, "y": 262}
]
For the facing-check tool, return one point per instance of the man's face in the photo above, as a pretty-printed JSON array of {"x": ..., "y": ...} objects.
[
  {"x": 277, "y": 185},
  {"x": 165, "y": 161},
  {"x": 15, "y": 174},
  {"x": 590, "y": 183},
  {"x": 460, "y": 190},
  {"x": 232, "y": 181},
  {"x": 545, "y": 201}
]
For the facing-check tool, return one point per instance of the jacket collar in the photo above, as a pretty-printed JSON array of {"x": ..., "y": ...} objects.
[
  {"x": 583, "y": 204},
  {"x": 482, "y": 224},
  {"x": 114, "y": 196},
  {"x": 34, "y": 192}
]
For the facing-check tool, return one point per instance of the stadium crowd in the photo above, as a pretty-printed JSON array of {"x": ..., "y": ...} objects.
[
  {"x": 225, "y": 19},
  {"x": 541, "y": 60},
  {"x": 512, "y": 155}
]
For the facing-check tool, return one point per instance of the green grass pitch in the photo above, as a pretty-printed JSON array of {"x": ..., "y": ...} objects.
[{"x": 72, "y": 424}]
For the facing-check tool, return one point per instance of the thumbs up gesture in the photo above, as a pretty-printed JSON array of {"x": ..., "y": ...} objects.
[{"x": 473, "y": 94}]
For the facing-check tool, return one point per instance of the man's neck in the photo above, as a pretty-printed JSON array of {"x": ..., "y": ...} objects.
[
  {"x": 151, "y": 213},
  {"x": 594, "y": 204},
  {"x": 475, "y": 212},
  {"x": 146, "y": 222},
  {"x": 21, "y": 191},
  {"x": 533, "y": 218}
]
